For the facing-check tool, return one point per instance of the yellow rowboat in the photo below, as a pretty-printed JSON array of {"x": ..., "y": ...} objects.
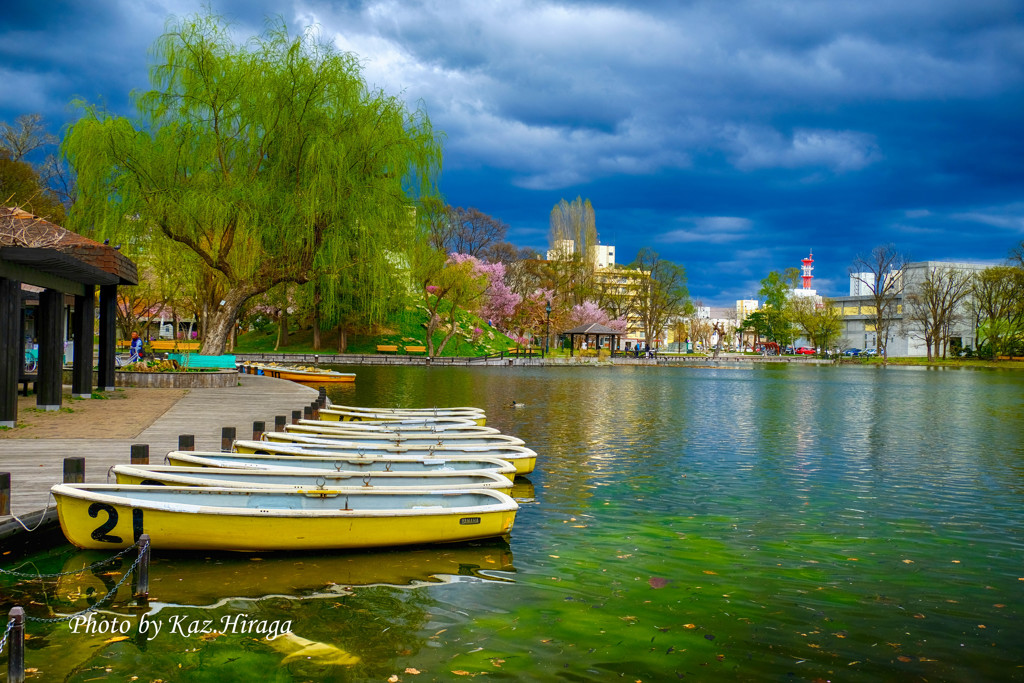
[
  {"x": 522, "y": 457},
  {"x": 113, "y": 516},
  {"x": 460, "y": 427},
  {"x": 335, "y": 414},
  {"x": 348, "y": 482},
  {"x": 409, "y": 411},
  {"x": 356, "y": 440},
  {"x": 297, "y": 373},
  {"x": 463, "y": 464}
]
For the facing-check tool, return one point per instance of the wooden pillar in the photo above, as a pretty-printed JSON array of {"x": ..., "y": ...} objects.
[
  {"x": 10, "y": 343},
  {"x": 51, "y": 349},
  {"x": 108, "y": 336},
  {"x": 81, "y": 377}
]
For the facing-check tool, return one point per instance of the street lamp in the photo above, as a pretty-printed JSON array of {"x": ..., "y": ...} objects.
[{"x": 547, "y": 336}]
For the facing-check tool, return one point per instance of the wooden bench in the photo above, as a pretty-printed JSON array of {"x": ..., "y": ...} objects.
[
  {"x": 387, "y": 348},
  {"x": 415, "y": 349},
  {"x": 172, "y": 345}
]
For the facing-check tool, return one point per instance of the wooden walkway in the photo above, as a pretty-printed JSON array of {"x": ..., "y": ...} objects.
[{"x": 37, "y": 464}]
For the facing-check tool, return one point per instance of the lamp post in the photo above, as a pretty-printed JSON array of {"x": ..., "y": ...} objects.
[{"x": 547, "y": 336}]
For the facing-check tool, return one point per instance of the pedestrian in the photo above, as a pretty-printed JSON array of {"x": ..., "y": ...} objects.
[{"x": 135, "y": 352}]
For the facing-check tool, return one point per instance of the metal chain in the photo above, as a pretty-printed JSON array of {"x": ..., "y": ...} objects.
[
  {"x": 98, "y": 603},
  {"x": 3, "y": 641},
  {"x": 92, "y": 566}
]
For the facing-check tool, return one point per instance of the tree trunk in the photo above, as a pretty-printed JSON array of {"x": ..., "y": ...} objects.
[
  {"x": 282, "y": 330},
  {"x": 342, "y": 338}
]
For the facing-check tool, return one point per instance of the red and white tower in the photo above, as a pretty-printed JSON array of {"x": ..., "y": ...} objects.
[{"x": 807, "y": 268}]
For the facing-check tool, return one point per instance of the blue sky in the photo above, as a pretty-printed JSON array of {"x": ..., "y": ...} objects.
[{"x": 731, "y": 137}]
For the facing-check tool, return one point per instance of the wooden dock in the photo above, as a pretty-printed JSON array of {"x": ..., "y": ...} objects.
[{"x": 37, "y": 464}]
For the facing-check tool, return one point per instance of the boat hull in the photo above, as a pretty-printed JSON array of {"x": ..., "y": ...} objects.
[
  {"x": 98, "y": 516},
  {"x": 462, "y": 464},
  {"x": 524, "y": 459},
  {"x": 299, "y": 375},
  {"x": 350, "y": 482}
]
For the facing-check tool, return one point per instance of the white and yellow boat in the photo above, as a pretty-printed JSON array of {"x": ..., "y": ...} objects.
[
  {"x": 357, "y": 440},
  {"x": 464, "y": 464},
  {"x": 297, "y": 373},
  {"x": 111, "y": 516},
  {"x": 305, "y": 479},
  {"x": 454, "y": 426},
  {"x": 336, "y": 414},
  {"x": 525, "y": 459}
]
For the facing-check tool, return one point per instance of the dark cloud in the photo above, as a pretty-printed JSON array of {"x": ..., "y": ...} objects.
[{"x": 731, "y": 137}]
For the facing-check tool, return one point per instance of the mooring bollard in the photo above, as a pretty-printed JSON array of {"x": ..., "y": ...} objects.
[
  {"x": 5, "y": 493},
  {"x": 16, "y": 643},
  {"x": 142, "y": 569},
  {"x": 74, "y": 470},
  {"x": 258, "y": 427},
  {"x": 186, "y": 442},
  {"x": 315, "y": 407},
  {"x": 279, "y": 423},
  {"x": 316, "y": 359},
  {"x": 296, "y": 416},
  {"x": 140, "y": 454},
  {"x": 307, "y": 412},
  {"x": 227, "y": 438}
]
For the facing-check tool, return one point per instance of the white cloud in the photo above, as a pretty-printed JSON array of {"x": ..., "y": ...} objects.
[
  {"x": 757, "y": 147},
  {"x": 709, "y": 230}
]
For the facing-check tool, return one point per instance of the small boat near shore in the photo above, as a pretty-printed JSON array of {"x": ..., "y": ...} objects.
[
  {"x": 330, "y": 427},
  {"x": 523, "y": 458},
  {"x": 304, "y": 374},
  {"x": 305, "y": 479},
  {"x": 339, "y": 414},
  {"x": 356, "y": 440},
  {"x": 112, "y": 516},
  {"x": 460, "y": 463}
]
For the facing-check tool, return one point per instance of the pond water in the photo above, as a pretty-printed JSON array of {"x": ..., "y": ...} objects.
[{"x": 779, "y": 522}]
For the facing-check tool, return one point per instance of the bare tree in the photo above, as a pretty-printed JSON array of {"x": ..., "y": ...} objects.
[
  {"x": 882, "y": 273},
  {"x": 467, "y": 231},
  {"x": 28, "y": 135},
  {"x": 930, "y": 307}
]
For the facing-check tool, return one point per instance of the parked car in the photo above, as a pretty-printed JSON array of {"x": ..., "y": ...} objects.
[
  {"x": 805, "y": 351},
  {"x": 851, "y": 352},
  {"x": 869, "y": 352}
]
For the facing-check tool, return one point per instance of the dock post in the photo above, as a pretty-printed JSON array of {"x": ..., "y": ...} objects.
[
  {"x": 315, "y": 409},
  {"x": 296, "y": 416},
  {"x": 307, "y": 412},
  {"x": 142, "y": 570},
  {"x": 258, "y": 427},
  {"x": 140, "y": 454},
  {"x": 186, "y": 442},
  {"x": 5, "y": 493},
  {"x": 279, "y": 422},
  {"x": 74, "y": 470},
  {"x": 16, "y": 643},
  {"x": 227, "y": 438}
]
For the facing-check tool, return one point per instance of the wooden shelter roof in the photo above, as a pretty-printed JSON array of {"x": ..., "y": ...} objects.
[
  {"x": 33, "y": 243},
  {"x": 594, "y": 328}
]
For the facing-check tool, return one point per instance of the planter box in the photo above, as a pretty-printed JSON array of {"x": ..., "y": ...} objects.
[{"x": 169, "y": 380}]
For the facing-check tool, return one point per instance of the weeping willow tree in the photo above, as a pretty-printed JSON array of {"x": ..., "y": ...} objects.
[
  {"x": 573, "y": 237},
  {"x": 271, "y": 161}
]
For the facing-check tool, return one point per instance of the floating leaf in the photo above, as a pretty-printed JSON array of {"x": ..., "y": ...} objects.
[
  {"x": 657, "y": 582},
  {"x": 411, "y": 670},
  {"x": 393, "y": 678},
  {"x": 708, "y": 571},
  {"x": 904, "y": 658},
  {"x": 117, "y": 639},
  {"x": 919, "y": 616},
  {"x": 690, "y": 626},
  {"x": 907, "y": 561}
]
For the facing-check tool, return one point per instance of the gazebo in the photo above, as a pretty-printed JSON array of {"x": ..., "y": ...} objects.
[
  {"x": 36, "y": 252},
  {"x": 591, "y": 330}
]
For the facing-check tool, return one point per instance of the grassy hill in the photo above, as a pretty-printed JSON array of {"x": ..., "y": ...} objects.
[{"x": 405, "y": 328}]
